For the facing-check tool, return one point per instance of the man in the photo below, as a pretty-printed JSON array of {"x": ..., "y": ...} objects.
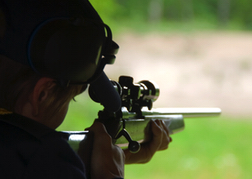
[{"x": 50, "y": 51}]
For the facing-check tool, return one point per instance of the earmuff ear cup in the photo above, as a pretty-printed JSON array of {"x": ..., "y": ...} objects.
[{"x": 67, "y": 49}]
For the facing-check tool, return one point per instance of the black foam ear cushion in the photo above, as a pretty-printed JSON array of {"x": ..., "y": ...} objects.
[{"x": 67, "y": 48}]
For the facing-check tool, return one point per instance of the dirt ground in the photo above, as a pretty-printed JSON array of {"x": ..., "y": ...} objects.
[{"x": 199, "y": 69}]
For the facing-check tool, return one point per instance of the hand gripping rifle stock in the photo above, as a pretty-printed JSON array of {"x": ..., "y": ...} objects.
[{"x": 127, "y": 125}]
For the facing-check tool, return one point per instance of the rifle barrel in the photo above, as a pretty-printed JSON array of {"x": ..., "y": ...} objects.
[{"x": 186, "y": 112}]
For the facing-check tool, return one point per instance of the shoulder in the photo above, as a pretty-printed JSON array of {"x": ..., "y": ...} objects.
[
  {"x": 55, "y": 159},
  {"x": 46, "y": 155}
]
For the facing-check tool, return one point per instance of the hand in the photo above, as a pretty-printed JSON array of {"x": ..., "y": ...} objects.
[
  {"x": 156, "y": 138},
  {"x": 107, "y": 160}
]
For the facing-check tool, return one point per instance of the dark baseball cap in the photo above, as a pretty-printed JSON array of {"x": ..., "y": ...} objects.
[{"x": 63, "y": 39}]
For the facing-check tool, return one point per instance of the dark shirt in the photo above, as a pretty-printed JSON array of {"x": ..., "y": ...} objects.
[{"x": 31, "y": 150}]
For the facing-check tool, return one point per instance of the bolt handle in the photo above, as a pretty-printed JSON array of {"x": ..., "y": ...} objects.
[{"x": 133, "y": 146}]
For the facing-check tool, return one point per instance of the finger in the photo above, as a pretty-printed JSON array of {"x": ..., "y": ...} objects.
[
  {"x": 167, "y": 131},
  {"x": 157, "y": 137},
  {"x": 157, "y": 128},
  {"x": 165, "y": 128},
  {"x": 166, "y": 138}
]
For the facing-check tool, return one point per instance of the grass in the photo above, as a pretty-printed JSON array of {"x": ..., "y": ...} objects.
[{"x": 214, "y": 148}]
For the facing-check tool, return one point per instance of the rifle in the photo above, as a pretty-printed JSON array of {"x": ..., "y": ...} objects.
[{"x": 136, "y": 112}]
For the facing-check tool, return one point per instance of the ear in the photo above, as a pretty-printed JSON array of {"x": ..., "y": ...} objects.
[{"x": 41, "y": 92}]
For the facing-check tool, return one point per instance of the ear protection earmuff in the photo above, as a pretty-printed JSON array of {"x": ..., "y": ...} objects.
[{"x": 72, "y": 49}]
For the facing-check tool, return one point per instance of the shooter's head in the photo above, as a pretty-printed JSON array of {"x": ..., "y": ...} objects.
[
  {"x": 65, "y": 40},
  {"x": 62, "y": 39}
]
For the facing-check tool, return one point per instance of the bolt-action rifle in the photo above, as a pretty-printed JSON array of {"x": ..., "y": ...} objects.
[{"x": 127, "y": 125}]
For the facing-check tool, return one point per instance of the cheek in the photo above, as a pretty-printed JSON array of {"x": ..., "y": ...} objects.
[
  {"x": 60, "y": 116},
  {"x": 63, "y": 113}
]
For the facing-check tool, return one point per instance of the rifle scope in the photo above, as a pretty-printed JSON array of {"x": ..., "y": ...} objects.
[{"x": 133, "y": 96}]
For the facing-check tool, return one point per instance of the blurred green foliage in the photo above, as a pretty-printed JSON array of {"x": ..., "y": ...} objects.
[{"x": 222, "y": 13}]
